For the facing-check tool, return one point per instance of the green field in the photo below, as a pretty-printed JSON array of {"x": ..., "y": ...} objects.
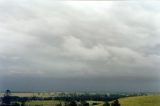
[
  {"x": 136, "y": 101},
  {"x": 140, "y": 101}
]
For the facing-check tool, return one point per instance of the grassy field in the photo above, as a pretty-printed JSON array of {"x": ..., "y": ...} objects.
[
  {"x": 136, "y": 101},
  {"x": 140, "y": 101}
]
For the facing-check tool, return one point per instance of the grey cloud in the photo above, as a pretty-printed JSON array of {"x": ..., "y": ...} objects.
[{"x": 80, "y": 40}]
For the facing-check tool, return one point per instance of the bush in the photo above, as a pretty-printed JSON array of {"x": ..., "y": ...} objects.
[
  {"x": 15, "y": 104},
  {"x": 106, "y": 104},
  {"x": 94, "y": 103},
  {"x": 116, "y": 103}
]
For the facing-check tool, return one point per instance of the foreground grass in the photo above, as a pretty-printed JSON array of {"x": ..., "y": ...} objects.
[{"x": 140, "y": 101}]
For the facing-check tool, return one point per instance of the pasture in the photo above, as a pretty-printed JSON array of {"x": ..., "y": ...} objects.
[{"x": 140, "y": 101}]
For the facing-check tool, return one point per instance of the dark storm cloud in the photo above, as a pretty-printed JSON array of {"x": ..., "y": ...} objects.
[{"x": 69, "y": 40}]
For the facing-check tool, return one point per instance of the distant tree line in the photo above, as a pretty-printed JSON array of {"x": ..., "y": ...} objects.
[
  {"x": 90, "y": 97},
  {"x": 70, "y": 100}
]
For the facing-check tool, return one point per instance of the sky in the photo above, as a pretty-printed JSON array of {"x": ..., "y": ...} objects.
[{"x": 79, "y": 45}]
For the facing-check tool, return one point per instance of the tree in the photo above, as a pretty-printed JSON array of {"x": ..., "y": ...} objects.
[
  {"x": 72, "y": 103},
  {"x": 106, "y": 104},
  {"x": 116, "y": 103},
  {"x": 84, "y": 103},
  {"x": 23, "y": 103},
  {"x": 66, "y": 103},
  {"x": 15, "y": 104},
  {"x": 58, "y": 104},
  {"x": 6, "y": 100}
]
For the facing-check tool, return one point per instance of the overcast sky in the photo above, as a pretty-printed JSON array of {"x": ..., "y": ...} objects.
[{"x": 79, "y": 45}]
